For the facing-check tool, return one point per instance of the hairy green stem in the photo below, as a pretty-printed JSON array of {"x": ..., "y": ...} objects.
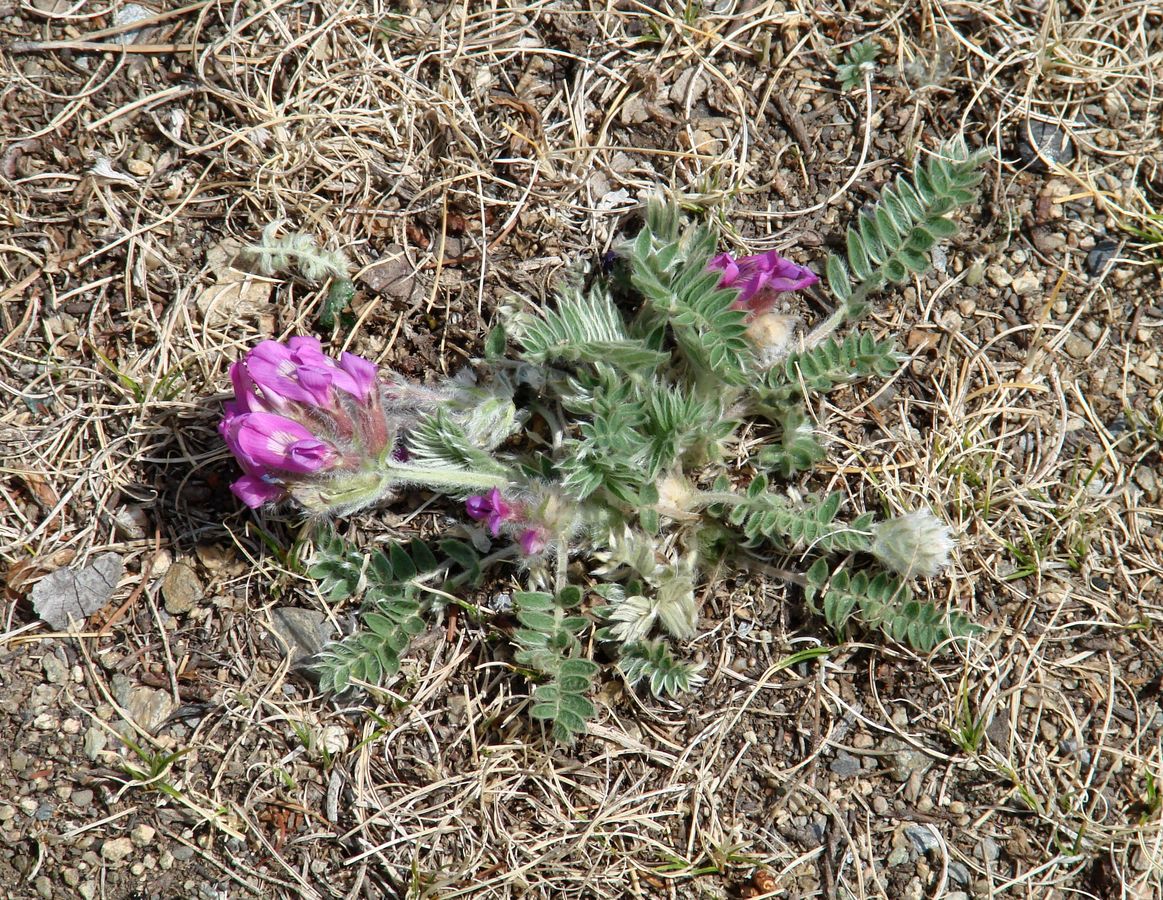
[
  {"x": 700, "y": 499},
  {"x": 442, "y": 478}
]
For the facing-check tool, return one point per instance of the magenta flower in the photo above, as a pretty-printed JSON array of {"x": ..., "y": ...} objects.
[
  {"x": 759, "y": 278},
  {"x": 268, "y": 441},
  {"x": 492, "y": 509},
  {"x": 299, "y": 372},
  {"x": 305, "y": 426}
]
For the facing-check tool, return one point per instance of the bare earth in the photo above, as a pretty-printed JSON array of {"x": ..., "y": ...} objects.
[{"x": 465, "y": 153}]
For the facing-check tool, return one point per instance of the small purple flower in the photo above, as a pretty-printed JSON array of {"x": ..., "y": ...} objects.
[
  {"x": 760, "y": 277},
  {"x": 303, "y": 425},
  {"x": 490, "y": 508}
]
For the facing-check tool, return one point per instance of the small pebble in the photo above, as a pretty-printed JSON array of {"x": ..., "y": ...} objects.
[
  {"x": 1039, "y": 143},
  {"x": 142, "y": 835},
  {"x": 55, "y": 670},
  {"x": 1078, "y": 347},
  {"x": 1026, "y": 283},
  {"x": 998, "y": 276},
  {"x": 117, "y": 849},
  {"x": 1100, "y": 257}
]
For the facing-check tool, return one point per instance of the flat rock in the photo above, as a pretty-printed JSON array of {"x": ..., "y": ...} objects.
[
  {"x": 1040, "y": 144},
  {"x": 1026, "y": 283},
  {"x": 904, "y": 759},
  {"x": 117, "y": 849},
  {"x": 845, "y": 765},
  {"x": 301, "y": 632},
  {"x": 922, "y": 838},
  {"x": 146, "y": 706},
  {"x": 392, "y": 276}
]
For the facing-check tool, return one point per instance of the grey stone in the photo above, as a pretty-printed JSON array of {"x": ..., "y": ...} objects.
[
  {"x": 18, "y": 761},
  {"x": 95, "y": 743},
  {"x": 1078, "y": 347},
  {"x": 922, "y": 838},
  {"x": 82, "y": 799},
  {"x": 1039, "y": 143},
  {"x": 845, "y": 765},
  {"x": 905, "y": 760},
  {"x": 182, "y": 853},
  {"x": 393, "y": 275},
  {"x": 301, "y": 631},
  {"x": 1100, "y": 257},
  {"x": 148, "y": 707},
  {"x": 55, "y": 670},
  {"x": 898, "y": 857},
  {"x": 958, "y": 873},
  {"x": 988, "y": 850}
]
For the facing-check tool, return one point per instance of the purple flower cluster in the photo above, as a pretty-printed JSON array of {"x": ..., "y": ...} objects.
[
  {"x": 759, "y": 278},
  {"x": 496, "y": 512},
  {"x": 299, "y": 418}
]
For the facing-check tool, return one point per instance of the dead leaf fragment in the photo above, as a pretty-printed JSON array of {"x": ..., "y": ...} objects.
[
  {"x": 76, "y": 593},
  {"x": 235, "y": 294}
]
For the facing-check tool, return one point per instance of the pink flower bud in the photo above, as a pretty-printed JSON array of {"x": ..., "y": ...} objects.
[{"x": 532, "y": 541}]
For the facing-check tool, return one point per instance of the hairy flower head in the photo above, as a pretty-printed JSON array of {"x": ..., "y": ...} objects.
[
  {"x": 303, "y": 425},
  {"x": 914, "y": 544}
]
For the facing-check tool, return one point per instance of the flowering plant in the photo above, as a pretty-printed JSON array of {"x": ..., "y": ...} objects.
[{"x": 625, "y": 471}]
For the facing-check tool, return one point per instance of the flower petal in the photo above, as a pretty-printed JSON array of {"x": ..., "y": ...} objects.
[
  {"x": 267, "y": 441},
  {"x": 362, "y": 372},
  {"x": 255, "y": 492},
  {"x": 274, "y": 371},
  {"x": 532, "y": 541}
]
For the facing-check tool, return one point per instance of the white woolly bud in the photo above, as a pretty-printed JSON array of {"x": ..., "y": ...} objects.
[
  {"x": 674, "y": 497},
  {"x": 915, "y": 544},
  {"x": 772, "y": 334}
]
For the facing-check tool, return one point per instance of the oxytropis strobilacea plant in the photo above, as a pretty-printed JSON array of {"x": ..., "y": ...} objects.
[{"x": 604, "y": 457}]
